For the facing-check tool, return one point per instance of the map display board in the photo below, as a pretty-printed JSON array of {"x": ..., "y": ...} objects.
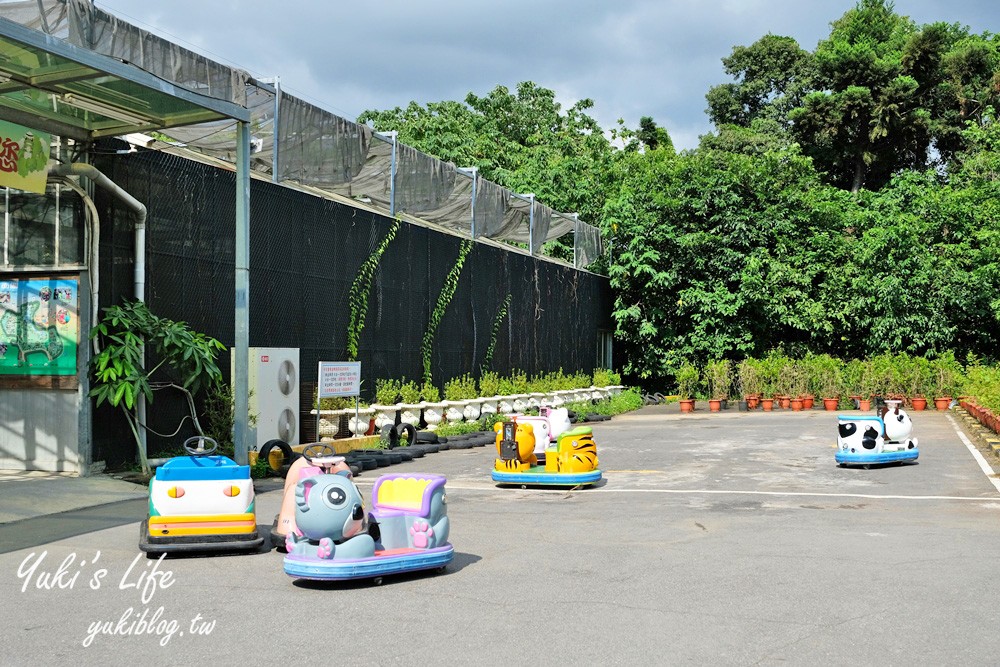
[{"x": 39, "y": 326}]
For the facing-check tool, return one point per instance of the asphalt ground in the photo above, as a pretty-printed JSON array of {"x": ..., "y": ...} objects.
[{"x": 723, "y": 539}]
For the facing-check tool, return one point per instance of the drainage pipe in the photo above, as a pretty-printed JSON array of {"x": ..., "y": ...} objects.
[{"x": 137, "y": 207}]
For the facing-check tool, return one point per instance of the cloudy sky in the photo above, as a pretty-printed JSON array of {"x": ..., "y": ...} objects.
[{"x": 633, "y": 58}]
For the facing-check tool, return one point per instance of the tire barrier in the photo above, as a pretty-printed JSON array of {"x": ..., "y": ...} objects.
[{"x": 279, "y": 456}]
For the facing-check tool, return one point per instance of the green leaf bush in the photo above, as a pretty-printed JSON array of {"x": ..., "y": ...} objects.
[{"x": 179, "y": 357}]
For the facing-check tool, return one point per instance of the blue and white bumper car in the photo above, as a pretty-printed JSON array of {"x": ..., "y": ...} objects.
[{"x": 867, "y": 440}]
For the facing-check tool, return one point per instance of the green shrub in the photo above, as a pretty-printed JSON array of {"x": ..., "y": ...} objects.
[
  {"x": 409, "y": 392},
  {"x": 688, "y": 380},
  {"x": 460, "y": 388},
  {"x": 947, "y": 375},
  {"x": 387, "y": 391},
  {"x": 489, "y": 384},
  {"x": 719, "y": 378},
  {"x": 430, "y": 393},
  {"x": 505, "y": 387},
  {"x": 748, "y": 377},
  {"x": 519, "y": 382},
  {"x": 334, "y": 402},
  {"x": 983, "y": 384},
  {"x": 459, "y": 428},
  {"x": 487, "y": 421},
  {"x": 602, "y": 377}
]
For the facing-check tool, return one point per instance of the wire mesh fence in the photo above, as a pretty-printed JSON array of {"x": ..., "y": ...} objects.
[{"x": 305, "y": 254}]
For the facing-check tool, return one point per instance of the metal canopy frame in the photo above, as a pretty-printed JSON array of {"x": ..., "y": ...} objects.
[{"x": 53, "y": 86}]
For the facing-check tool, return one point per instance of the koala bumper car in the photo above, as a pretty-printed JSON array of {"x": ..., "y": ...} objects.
[
  {"x": 333, "y": 539},
  {"x": 868, "y": 440},
  {"x": 570, "y": 461},
  {"x": 317, "y": 455},
  {"x": 198, "y": 503}
]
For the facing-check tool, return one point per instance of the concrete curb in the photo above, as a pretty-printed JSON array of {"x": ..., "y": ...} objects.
[{"x": 980, "y": 433}]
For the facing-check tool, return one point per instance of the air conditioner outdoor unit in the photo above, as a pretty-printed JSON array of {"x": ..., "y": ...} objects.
[{"x": 274, "y": 394}]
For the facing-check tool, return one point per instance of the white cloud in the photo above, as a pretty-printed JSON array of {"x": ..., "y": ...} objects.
[{"x": 633, "y": 58}]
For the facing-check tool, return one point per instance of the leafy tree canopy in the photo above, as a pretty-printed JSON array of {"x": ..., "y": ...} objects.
[
  {"x": 878, "y": 96},
  {"x": 847, "y": 203}
]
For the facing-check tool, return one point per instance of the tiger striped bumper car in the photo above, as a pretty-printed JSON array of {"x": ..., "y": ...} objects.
[{"x": 570, "y": 461}]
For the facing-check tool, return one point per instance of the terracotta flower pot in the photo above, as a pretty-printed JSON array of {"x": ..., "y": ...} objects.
[
  {"x": 785, "y": 402},
  {"x": 942, "y": 402},
  {"x": 767, "y": 404},
  {"x": 715, "y": 404},
  {"x": 687, "y": 405},
  {"x": 808, "y": 402},
  {"x": 831, "y": 403},
  {"x": 864, "y": 404},
  {"x": 918, "y": 403},
  {"x": 752, "y": 402},
  {"x": 796, "y": 404}
]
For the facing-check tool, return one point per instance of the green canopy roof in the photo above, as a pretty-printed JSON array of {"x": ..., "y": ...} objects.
[{"x": 53, "y": 86}]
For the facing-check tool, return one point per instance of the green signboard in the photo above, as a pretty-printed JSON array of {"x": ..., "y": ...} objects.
[
  {"x": 24, "y": 157},
  {"x": 39, "y": 326}
]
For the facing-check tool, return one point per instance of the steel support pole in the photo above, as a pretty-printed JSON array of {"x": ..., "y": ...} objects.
[
  {"x": 531, "y": 226},
  {"x": 473, "y": 170},
  {"x": 392, "y": 178},
  {"x": 275, "y": 164},
  {"x": 241, "y": 380}
]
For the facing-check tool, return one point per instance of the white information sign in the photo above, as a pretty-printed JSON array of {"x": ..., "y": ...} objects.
[{"x": 339, "y": 378}]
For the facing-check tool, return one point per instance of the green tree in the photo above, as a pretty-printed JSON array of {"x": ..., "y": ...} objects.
[
  {"x": 878, "y": 96},
  {"x": 441, "y": 129},
  {"x": 772, "y": 75},
  {"x": 522, "y": 140},
  {"x": 968, "y": 88},
  {"x": 182, "y": 359},
  {"x": 718, "y": 255},
  {"x": 864, "y": 122}
]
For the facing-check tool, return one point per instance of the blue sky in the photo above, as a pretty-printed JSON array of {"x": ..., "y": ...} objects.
[{"x": 633, "y": 58}]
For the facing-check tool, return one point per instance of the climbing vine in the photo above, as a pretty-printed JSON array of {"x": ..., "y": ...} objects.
[
  {"x": 444, "y": 298},
  {"x": 494, "y": 332},
  {"x": 360, "y": 289}
]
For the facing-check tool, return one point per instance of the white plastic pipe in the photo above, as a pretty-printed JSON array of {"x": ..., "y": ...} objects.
[{"x": 139, "y": 273}]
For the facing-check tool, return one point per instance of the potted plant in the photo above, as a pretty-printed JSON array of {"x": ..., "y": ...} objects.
[
  {"x": 538, "y": 386},
  {"x": 830, "y": 382},
  {"x": 869, "y": 385},
  {"x": 748, "y": 377},
  {"x": 361, "y": 421},
  {"x": 505, "y": 395},
  {"x": 786, "y": 382},
  {"x": 687, "y": 384},
  {"x": 881, "y": 379},
  {"x": 432, "y": 408},
  {"x": 797, "y": 383},
  {"x": 457, "y": 393},
  {"x": 947, "y": 373},
  {"x": 334, "y": 411},
  {"x": 771, "y": 368},
  {"x": 489, "y": 391},
  {"x": 852, "y": 374},
  {"x": 603, "y": 381},
  {"x": 719, "y": 379},
  {"x": 811, "y": 366},
  {"x": 898, "y": 374},
  {"x": 386, "y": 399},
  {"x": 918, "y": 381},
  {"x": 409, "y": 405}
]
